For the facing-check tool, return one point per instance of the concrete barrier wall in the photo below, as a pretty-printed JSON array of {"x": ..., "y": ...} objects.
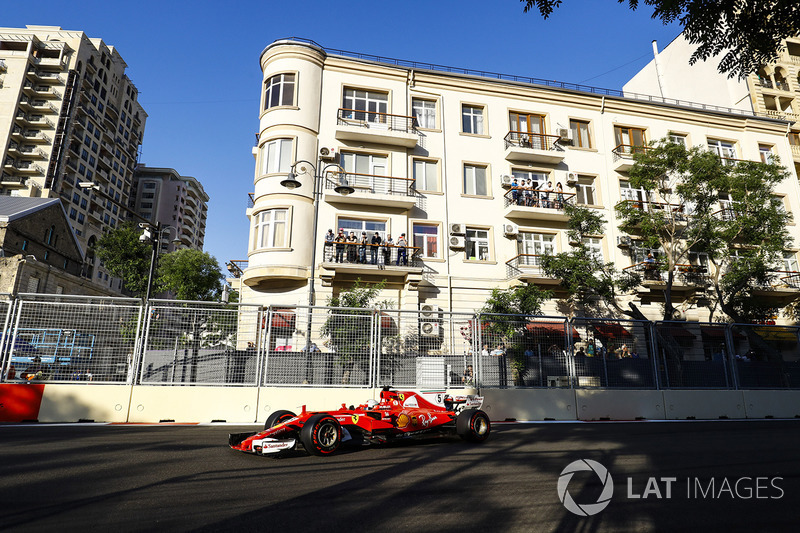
[
  {"x": 194, "y": 404},
  {"x": 73, "y": 403},
  {"x": 246, "y": 405}
]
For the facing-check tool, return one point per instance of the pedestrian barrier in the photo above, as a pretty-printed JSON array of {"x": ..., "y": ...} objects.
[{"x": 171, "y": 360}]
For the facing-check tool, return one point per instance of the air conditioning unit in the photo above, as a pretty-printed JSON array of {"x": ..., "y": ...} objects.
[
  {"x": 564, "y": 135},
  {"x": 457, "y": 229},
  {"x": 572, "y": 178},
  {"x": 428, "y": 311},
  {"x": 623, "y": 241},
  {"x": 327, "y": 154},
  {"x": 430, "y": 329},
  {"x": 510, "y": 229},
  {"x": 457, "y": 242},
  {"x": 505, "y": 181}
]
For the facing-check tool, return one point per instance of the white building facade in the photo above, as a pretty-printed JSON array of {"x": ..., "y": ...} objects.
[{"x": 431, "y": 153}]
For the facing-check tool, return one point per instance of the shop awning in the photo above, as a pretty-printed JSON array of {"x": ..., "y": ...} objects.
[
  {"x": 611, "y": 330},
  {"x": 777, "y": 334},
  {"x": 718, "y": 332},
  {"x": 388, "y": 324},
  {"x": 676, "y": 331},
  {"x": 283, "y": 319},
  {"x": 550, "y": 328}
]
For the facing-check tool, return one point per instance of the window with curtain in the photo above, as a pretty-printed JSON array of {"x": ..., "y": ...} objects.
[
  {"x": 580, "y": 133},
  {"x": 425, "y": 175},
  {"x": 475, "y": 180},
  {"x": 426, "y": 238},
  {"x": 271, "y": 229},
  {"x": 276, "y": 156},
  {"x": 424, "y": 112}
]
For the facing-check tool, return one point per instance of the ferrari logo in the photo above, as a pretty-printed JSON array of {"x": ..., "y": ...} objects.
[
  {"x": 355, "y": 419},
  {"x": 401, "y": 396}
]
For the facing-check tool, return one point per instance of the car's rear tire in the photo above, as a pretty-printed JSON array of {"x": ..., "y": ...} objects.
[
  {"x": 473, "y": 425},
  {"x": 277, "y": 417},
  {"x": 321, "y": 434}
]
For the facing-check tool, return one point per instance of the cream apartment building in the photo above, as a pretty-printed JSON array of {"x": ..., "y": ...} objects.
[
  {"x": 431, "y": 152},
  {"x": 772, "y": 91},
  {"x": 69, "y": 114}
]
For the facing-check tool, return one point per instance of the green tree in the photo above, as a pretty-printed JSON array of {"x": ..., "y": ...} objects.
[
  {"x": 749, "y": 33},
  {"x": 508, "y": 311},
  {"x": 190, "y": 275},
  {"x": 675, "y": 208},
  {"x": 347, "y": 328},
  {"x": 126, "y": 257},
  {"x": 585, "y": 278}
]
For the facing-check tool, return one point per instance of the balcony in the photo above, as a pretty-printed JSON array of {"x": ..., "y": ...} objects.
[
  {"x": 371, "y": 189},
  {"x": 355, "y": 261},
  {"x": 527, "y": 267},
  {"x": 379, "y": 128},
  {"x": 687, "y": 277},
  {"x": 622, "y": 156},
  {"x": 796, "y": 152},
  {"x": 13, "y": 182},
  {"x": 782, "y": 290},
  {"x": 533, "y": 148},
  {"x": 28, "y": 151},
  {"x": 41, "y": 91},
  {"x": 24, "y": 167},
  {"x": 670, "y": 213},
  {"x": 537, "y": 204},
  {"x": 33, "y": 136}
]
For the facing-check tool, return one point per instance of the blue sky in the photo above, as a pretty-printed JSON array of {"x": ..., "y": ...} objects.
[{"x": 196, "y": 64}]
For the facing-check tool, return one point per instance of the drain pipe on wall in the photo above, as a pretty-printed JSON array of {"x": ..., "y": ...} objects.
[{"x": 659, "y": 77}]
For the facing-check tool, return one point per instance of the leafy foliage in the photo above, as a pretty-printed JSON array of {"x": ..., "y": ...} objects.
[
  {"x": 190, "y": 274},
  {"x": 347, "y": 328},
  {"x": 126, "y": 257},
  {"x": 749, "y": 33}
]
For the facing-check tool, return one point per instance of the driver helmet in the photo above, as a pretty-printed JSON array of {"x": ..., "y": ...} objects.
[{"x": 372, "y": 404}]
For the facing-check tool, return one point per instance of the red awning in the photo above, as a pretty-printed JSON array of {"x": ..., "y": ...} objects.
[
  {"x": 718, "y": 332},
  {"x": 387, "y": 323},
  {"x": 611, "y": 330},
  {"x": 550, "y": 328},
  {"x": 283, "y": 319}
]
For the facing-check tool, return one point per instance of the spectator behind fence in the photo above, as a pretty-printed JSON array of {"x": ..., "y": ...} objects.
[
  {"x": 469, "y": 376},
  {"x": 402, "y": 253},
  {"x": 374, "y": 249}
]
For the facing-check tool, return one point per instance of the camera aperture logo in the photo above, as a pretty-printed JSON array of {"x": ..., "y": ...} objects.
[{"x": 585, "y": 509}]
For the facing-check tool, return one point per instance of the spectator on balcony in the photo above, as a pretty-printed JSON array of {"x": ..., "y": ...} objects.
[
  {"x": 402, "y": 253},
  {"x": 352, "y": 248},
  {"x": 340, "y": 243},
  {"x": 362, "y": 248},
  {"x": 650, "y": 267},
  {"x": 386, "y": 248},
  {"x": 374, "y": 249},
  {"x": 559, "y": 196},
  {"x": 546, "y": 194},
  {"x": 328, "y": 250},
  {"x": 515, "y": 192},
  {"x": 530, "y": 193}
]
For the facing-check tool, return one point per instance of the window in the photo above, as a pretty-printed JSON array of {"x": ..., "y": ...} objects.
[
  {"x": 472, "y": 119},
  {"x": 790, "y": 262},
  {"x": 364, "y": 170},
  {"x": 584, "y": 191},
  {"x": 765, "y": 153},
  {"x": 532, "y": 246},
  {"x": 530, "y": 180},
  {"x": 276, "y": 156},
  {"x": 724, "y": 149},
  {"x": 73, "y": 213},
  {"x": 477, "y": 244},
  {"x": 150, "y": 185},
  {"x": 677, "y": 138},
  {"x": 358, "y": 225},
  {"x": 475, "y": 180},
  {"x": 794, "y": 138},
  {"x": 271, "y": 229},
  {"x": 426, "y": 176},
  {"x": 528, "y": 130},
  {"x": 426, "y": 238},
  {"x": 279, "y": 90},
  {"x": 639, "y": 252},
  {"x": 81, "y": 218},
  {"x": 629, "y": 138},
  {"x": 367, "y": 106},
  {"x": 595, "y": 246},
  {"x": 424, "y": 112},
  {"x": 627, "y": 192},
  {"x": 580, "y": 133},
  {"x": 33, "y": 284}
]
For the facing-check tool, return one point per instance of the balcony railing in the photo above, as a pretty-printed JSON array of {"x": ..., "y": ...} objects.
[
  {"x": 372, "y": 119},
  {"x": 536, "y": 141},
  {"x": 355, "y": 253},
  {"x": 626, "y": 151},
  {"x": 676, "y": 211},
  {"x": 529, "y": 265},
  {"x": 251, "y": 199},
  {"x": 372, "y": 183},
  {"x": 686, "y": 274},
  {"x": 540, "y": 198}
]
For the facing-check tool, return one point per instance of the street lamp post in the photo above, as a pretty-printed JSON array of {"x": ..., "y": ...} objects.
[{"x": 342, "y": 187}]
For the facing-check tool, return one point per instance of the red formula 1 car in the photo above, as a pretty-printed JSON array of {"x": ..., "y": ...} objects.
[{"x": 398, "y": 415}]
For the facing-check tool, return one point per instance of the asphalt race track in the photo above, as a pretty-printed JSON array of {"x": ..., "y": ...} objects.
[{"x": 728, "y": 476}]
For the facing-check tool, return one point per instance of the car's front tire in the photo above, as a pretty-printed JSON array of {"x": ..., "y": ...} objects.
[
  {"x": 277, "y": 417},
  {"x": 473, "y": 425},
  {"x": 321, "y": 434}
]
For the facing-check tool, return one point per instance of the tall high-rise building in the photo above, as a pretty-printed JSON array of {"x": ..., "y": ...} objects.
[
  {"x": 178, "y": 202},
  {"x": 69, "y": 115}
]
